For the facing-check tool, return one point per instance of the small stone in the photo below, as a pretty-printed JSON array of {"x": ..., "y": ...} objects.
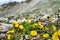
[{"x": 26, "y": 36}]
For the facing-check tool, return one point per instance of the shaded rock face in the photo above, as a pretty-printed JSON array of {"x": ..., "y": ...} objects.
[
  {"x": 7, "y": 5},
  {"x": 29, "y": 6},
  {"x": 5, "y": 27},
  {"x": 27, "y": 1}
]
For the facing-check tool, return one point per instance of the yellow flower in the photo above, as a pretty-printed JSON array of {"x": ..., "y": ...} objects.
[
  {"x": 59, "y": 32},
  {"x": 16, "y": 25},
  {"x": 11, "y": 31},
  {"x": 9, "y": 36},
  {"x": 56, "y": 34},
  {"x": 41, "y": 26},
  {"x": 21, "y": 27},
  {"x": 34, "y": 33},
  {"x": 46, "y": 35},
  {"x": 16, "y": 22},
  {"x": 39, "y": 23},
  {"x": 33, "y": 25},
  {"x": 28, "y": 20},
  {"x": 53, "y": 27},
  {"x": 55, "y": 37}
]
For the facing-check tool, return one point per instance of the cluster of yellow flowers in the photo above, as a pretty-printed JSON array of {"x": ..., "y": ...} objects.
[
  {"x": 38, "y": 25},
  {"x": 34, "y": 33},
  {"x": 9, "y": 34},
  {"x": 16, "y": 24}
]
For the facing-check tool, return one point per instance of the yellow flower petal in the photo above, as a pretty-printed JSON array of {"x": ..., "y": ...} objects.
[
  {"x": 16, "y": 25},
  {"x": 55, "y": 37},
  {"x": 9, "y": 36},
  {"x": 53, "y": 27},
  {"x": 16, "y": 22},
  {"x": 59, "y": 32}
]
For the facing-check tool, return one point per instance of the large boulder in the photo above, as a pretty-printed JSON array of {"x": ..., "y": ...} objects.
[{"x": 5, "y": 27}]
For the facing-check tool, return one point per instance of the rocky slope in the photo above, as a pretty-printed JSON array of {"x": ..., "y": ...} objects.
[{"x": 31, "y": 7}]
